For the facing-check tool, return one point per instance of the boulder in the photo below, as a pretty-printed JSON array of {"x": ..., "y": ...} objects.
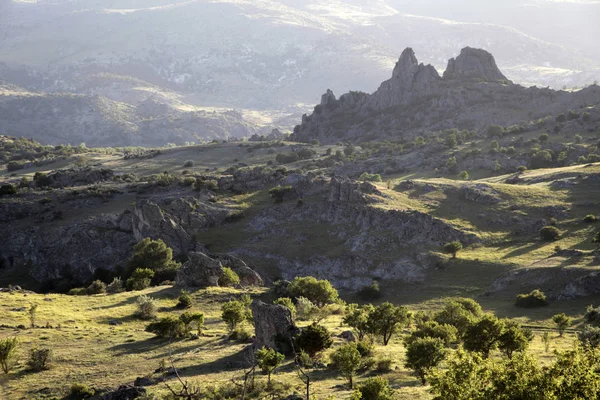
[
  {"x": 274, "y": 327},
  {"x": 480, "y": 194},
  {"x": 248, "y": 277},
  {"x": 199, "y": 271},
  {"x": 125, "y": 392},
  {"x": 348, "y": 336}
]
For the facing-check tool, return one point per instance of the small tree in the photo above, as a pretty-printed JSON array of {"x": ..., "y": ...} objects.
[
  {"x": 514, "y": 338},
  {"x": 8, "y": 353},
  {"x": 453, "y": 248},
  {"x": 229, "y": 278},
  {"x": 314, "y": 339},
  {"x": 116, "y": 286},
  {"x": 96, "y": 287},
  {"x": 192, "y": 319},
  {"x": 463, "y": 175},
  {"x": 423, "y": 354},
  {"x": 543, "y": 138},
  {"x": 549, "y": 233},
  {"x": 347, "y": 360},
  {"x": 156, "y": 256},
  {"x": 546, "y": 339},
  {"x": 447, "y": 333},
  {"x": 562, "y": 322},
  {"x": 484, "y": 335},
  {"x": 458, "y": 315},
  {"x": 358, "y": 318},
  {"x": 320, "y": 292},
  {"x": 305, "y": 308},
  {"x": 140, "y": 279},
  {"x": 167, "y": 327},
  {"x": 386, "y": 319},
  {"x": 268, "y": 361},
  {"x": 535, "y": 298},
  {"x": 32, "y": 314},
  {"x": 233, "y": 313},
  {"x": 288, "y": 303}
]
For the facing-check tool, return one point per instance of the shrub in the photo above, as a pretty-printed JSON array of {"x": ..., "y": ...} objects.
[
  {"x": 303, "y": 359},
  {"x": 384, "y": 365},
  {"x": 77, "y": 292},
  {"x": 366, "y": 348},
  {"x": 358, "y": 318},
  {"x": 521, "y": 168},
  {"x": 38, "y": 359},
  {"x": 241, "y": 335},
  {"x": 97, "y": 287},
  {"x": 366, "y": 177},
  {"x": 371, "y": 292},
  {"x": 549, "y": 233},
  {"x": 116, "y": 286},
  {"x": 288, "y": 303},
  {"x": 140, "y": 279},
  {"x": 456, "y": 314},
  {"x": 463, "y": 175},
  {"x": 8, "y": 189},
  {"x": 228, "y": 278},
  {"x": 592, "y": 315},
  {"x": 8, "y": 353},
  {"x": 305, "y": 308},
  {"x": 447, "y": 333},
  {"x": 81, "y": 391},
  {"x": 14, "y": 166},
  {"x": 453, "y": 248},
  {"x": 146, "y": 307},
  {"x": 536, "y": 298},
  {"x": 375, "y": 388},
  {"x": 590, "y": 218},
  {"x": 184, "y": 300},
  {"x": 484, "y": 335},
  {"x": 42, "y": 180},
  {"x": 514, "y": 338},
  {"x": 590, "y": 336},
  {"x": 189, "y": 163},
  {"x": 314, "y": 339},
  {"x": 154, "y": 255},
  {"x": 278, "y": 193},
  {"x": 347, "y": 360},
  {"x": 167, "y": 327},
  {"x": 320, "y": 292}
]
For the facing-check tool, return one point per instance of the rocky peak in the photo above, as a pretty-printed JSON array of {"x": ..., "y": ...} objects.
[
  {"x": 328, "y": 98},
  {"x": 473, "y": 64},
  {"x": 406, "y": 66}
]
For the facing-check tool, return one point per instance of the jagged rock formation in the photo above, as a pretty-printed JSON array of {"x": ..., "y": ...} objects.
[
  {"x": 274, "y": 327},
  {"x": 472, "y": 94},
  {"x": 202, "y": 271}
]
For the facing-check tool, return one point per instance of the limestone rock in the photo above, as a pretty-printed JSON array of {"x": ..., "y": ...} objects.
[
  {"x": 274, "y": 327},
  {"x": 473, "y": 64},
  {"x": 480, "y": 194},
  {"x": 348, "y": 336},
  {"x": 248, "y": 277},
  {"x": 199, "y": 271}
]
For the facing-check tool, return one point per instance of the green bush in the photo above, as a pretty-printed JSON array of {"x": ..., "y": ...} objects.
[
  {"x": 305, "y": 308},
  {"x": 156, "y": 256},
  {"x": 453, "y": 248},
  {"x": 371, "y": 292},
  {"x": 233, "y": 313},
  {"x": 184, "y": 300},
  {"x": 39, "y": 359},
  {"x": 384, "y": 365},
  {"x": 81, "y": 391},
  {"x": 549, "y": 233},
  {"x": 314, "y": 339},
  {"x": 424, "y": 354},
  {"x": 140, "y": 279},
  {"x": 375, "y": 388},
  {"x": 146, "y": 307},
  {"x": 278, "y": 193},
  {"x": 8, "y": 190},
  {"x": 77, "y": 292},
  {"x": 288, "y": 303},
  {"x": 536, "y": 298},
  {"x": 192, "y": 320},
  {"x": 116, "y": 286},
  {"x": 240, "y": 334},
  {"x": 168, "y": 327},
  {"x": 189, "y": 164},
  {"x": 590, "y": 218},
  {"x": 347, "y": 360},
  {"x": 96, "y": 287},
  {"x": 366, "y": 177},
  {"x": 592, "y": 315},
  {"x": 319, "y": 292},
  {"x": 268, "y": 360},
  {"x": 228, "y": 278},
  {"x": 8, "y": 353}
]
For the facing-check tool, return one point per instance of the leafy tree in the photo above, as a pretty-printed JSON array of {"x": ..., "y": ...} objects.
[
  {"x": 457, "y": 315},
  {"x": 42, "y": 180},
  {"x": 562, "y": 322},
  {"x": 386, "y": 319},
  {"x": 347, "y": 360},
  {"x": 574, "y": 374},
  {"x": 514, "y": 338},
  {"x": 453, "y": 248},
  {"x": 233, "y": 313},
  {"x": 8, "y": 353},
  {"x": 451, "y": 164},
  {"x": 367, "y": 177},
  {"x": 97, "y": 287},
  {"x": 314, "y": 339},
  {"x": 8, "y": 190},
  {"x": 192, "y": 319},
  {"x": 287, "y": 302},
  {"x": 448, "y": 334},
  {"x": 546, "y": 339},
  {"x": 590, "y": 336},
  {"x": 541, "y": 159},
  {"x": 375, "y": 388},
  {"x": 450, "y": 141},
  {"x": 470, "y": 305},
  {"x": 484, "y": 335},
  {"x": 467, "y": 377},
  {"x": 357, "y": 317},
  {"x": 549, "y": 233},
  {"x": 494, "y": 145},
  {"x": 320, "y": 292},
  {"x": 370, "y": 292},
  {"x": 140, "y": 279},
  {"x": 543, "y": 138},
  {"x": 156, "y": 256},
  {"x": 228, "y": 278},
  {"x": 268, "y": 360},
  {"x": 423, "y": 354}
]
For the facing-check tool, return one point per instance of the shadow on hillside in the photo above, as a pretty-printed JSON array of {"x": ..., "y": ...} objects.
[
  {"x": 138, "y": 347},
  {"x": 232, "y": 362},
  {"x": 163, "y": 293}
]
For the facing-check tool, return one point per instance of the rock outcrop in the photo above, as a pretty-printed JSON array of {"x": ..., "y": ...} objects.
[
  {"x": 125, "y": 392},
  {"x": 474, "y": 64},
  {"x": 274, "y": 327},
  {"x": 201, "y": 271}
]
